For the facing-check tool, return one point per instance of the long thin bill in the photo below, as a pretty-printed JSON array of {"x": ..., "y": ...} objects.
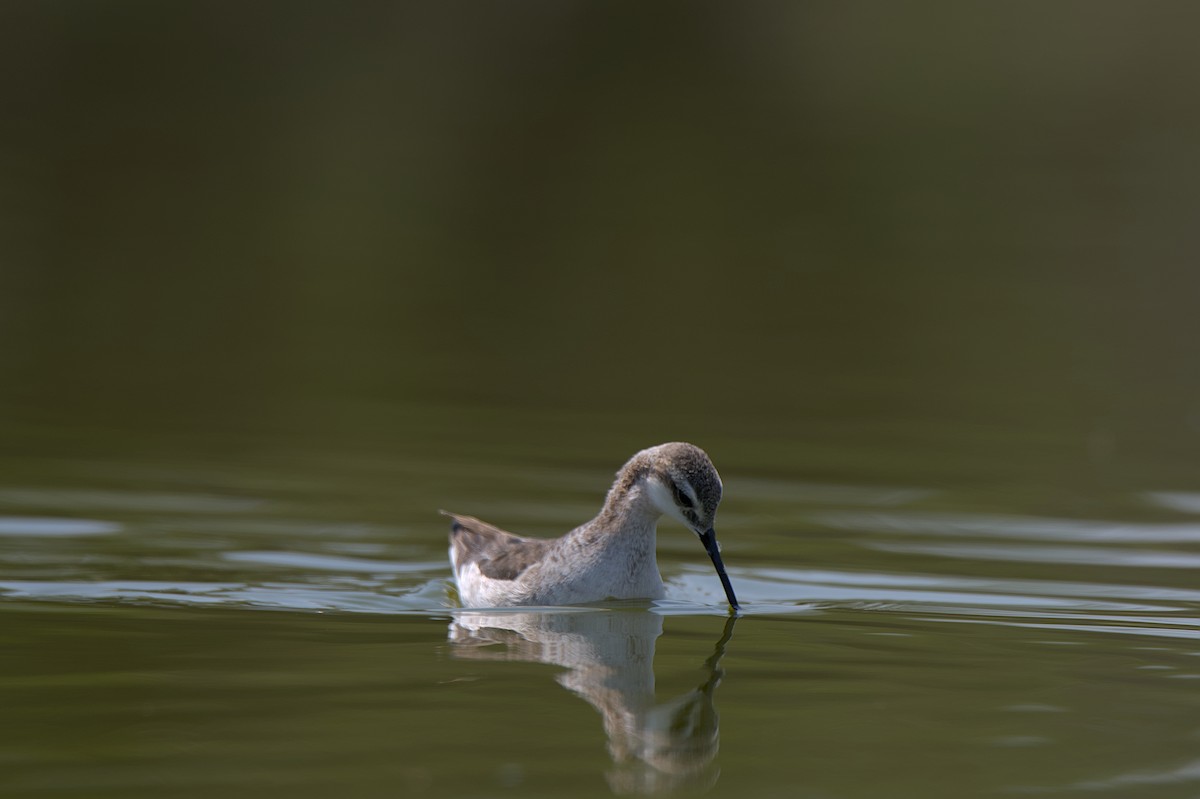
[{"x": 709, "y": 539}]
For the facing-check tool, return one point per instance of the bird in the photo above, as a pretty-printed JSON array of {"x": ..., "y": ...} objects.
[{"x": 610, "y": 557}]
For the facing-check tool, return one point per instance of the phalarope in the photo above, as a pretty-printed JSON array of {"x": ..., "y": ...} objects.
[{"x": 610, "y": 557}]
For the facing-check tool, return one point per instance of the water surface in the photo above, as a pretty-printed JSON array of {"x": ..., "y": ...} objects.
[{"x": 192, "y": 628}]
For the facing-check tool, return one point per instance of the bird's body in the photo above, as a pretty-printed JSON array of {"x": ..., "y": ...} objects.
[{"x": 610, "y": 557}]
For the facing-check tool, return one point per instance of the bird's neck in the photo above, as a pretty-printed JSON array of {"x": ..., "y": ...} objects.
[{"x": 629, "y": 507}]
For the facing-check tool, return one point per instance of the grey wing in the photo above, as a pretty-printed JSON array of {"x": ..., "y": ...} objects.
[{"x": 498, "y": 554}]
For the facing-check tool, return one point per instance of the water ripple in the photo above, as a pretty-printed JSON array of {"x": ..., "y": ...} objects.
[
  {"x": 1023, "y": 527},
  {"x": 304, "y": 560},
  {"x": 37, "y": 526},
  {"x": 1181, "y": 501},
  {"x": 1091, "y": 556},
  {"x": 97, "y": 499}
]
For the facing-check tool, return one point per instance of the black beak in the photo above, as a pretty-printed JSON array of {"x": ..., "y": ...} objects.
[{"x": 709, "y": 539}]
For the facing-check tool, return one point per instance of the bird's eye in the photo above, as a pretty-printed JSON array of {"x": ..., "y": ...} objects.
[{"x": 682, "y": 499}]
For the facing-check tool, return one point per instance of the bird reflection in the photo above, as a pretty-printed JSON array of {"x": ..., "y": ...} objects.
[{"x": 609, "y": 657}]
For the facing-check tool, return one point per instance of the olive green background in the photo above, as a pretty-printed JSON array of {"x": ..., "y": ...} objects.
[{"x": 279, "y": 280}]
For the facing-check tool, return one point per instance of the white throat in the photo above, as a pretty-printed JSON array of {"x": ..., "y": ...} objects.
[{"x": 660, "y": 497}]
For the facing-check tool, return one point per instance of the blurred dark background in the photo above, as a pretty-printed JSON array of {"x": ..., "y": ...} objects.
[{"x": 824, "y": 228}]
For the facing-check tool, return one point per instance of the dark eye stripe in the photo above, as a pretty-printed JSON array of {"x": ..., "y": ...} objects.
[{"x": 682, "y": 498}]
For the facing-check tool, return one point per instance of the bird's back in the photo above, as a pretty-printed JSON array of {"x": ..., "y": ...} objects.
[{"x": 488, "y": 562}]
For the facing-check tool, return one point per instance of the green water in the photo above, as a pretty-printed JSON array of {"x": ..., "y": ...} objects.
[{"x": 278, "y": 282}]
